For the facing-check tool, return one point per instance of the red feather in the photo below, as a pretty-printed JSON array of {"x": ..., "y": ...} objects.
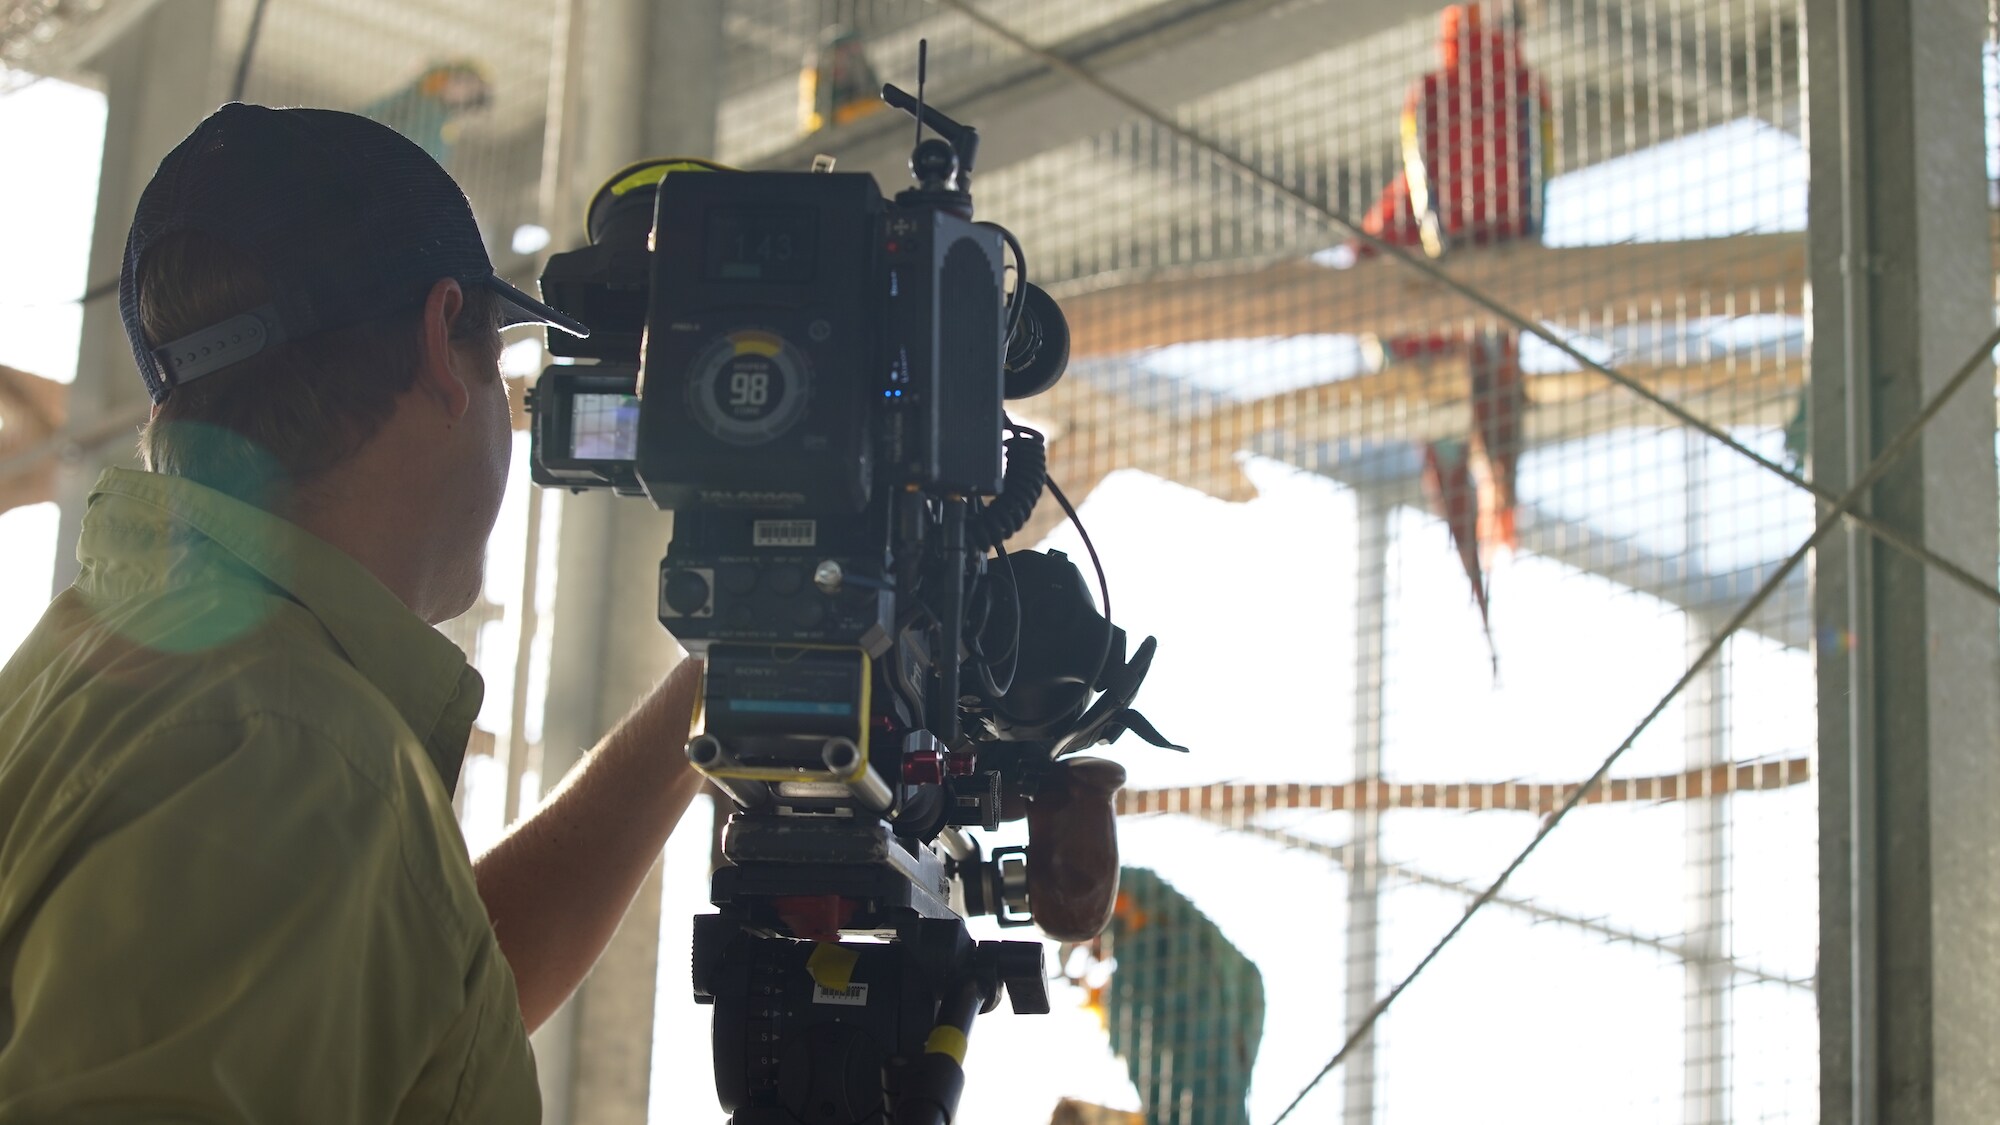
[
  {"x": 1499, "y": 407},
  {"x": 1453, "y": 496}
]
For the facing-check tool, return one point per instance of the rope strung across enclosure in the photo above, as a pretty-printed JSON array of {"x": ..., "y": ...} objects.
[{"x": 1243, "y": 168}]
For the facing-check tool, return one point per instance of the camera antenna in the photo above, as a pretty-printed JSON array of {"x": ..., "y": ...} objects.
[
  {"x": 923, "y": 72},
  {"x": 962, "y": 140}
]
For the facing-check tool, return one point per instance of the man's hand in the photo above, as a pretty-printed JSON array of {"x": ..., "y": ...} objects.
[{"x": 558, "y": 884}]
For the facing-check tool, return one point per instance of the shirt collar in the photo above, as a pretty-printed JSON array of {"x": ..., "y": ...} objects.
[{"x": 424, "y": 676}]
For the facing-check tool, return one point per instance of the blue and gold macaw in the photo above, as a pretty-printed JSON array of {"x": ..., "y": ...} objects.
[
  {"x": 430, "y": 108},
  {"x": 1184, "y": 1007}
]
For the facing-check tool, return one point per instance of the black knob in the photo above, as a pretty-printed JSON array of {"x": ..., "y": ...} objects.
[
  {"x": 809, "y": 613},
  {"x": 785, "y": 580},
  {"x": 686, "y": 592},
  {"x": 736, "y": 578},
  {"x": 934, "y": 163}
]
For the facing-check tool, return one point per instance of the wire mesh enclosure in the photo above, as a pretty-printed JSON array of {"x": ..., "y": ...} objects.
[
  {"x": 1418, "y": 561},
  {"x": 1437, "y": 397}
]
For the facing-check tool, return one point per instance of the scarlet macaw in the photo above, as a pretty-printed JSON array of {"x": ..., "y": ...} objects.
[{"x": 1476, "y": 145}]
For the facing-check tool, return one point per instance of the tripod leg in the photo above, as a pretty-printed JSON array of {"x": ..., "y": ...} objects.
[{"x": 928, "y": 1087}]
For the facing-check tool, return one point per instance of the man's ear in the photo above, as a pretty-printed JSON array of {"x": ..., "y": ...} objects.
[{"x": 439, "y": 373}]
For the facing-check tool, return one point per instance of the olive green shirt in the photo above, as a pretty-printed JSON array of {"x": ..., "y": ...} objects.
[{"x": 231, "y": 885}]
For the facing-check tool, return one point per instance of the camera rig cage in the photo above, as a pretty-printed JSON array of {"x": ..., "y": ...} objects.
[{"x": 813, "y": 379}]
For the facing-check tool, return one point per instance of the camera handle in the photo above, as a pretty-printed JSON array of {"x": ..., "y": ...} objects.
[{"x": 964, "y": 139}]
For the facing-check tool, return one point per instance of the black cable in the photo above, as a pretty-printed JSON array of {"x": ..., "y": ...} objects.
[
  {"x": 249, "y": 51},
  {"x": 1020, "y": 489},
  {"x": 1017, "y": 304},
  {"x": 1103, "y": 588},
  {"x": 989, "y": 679}
]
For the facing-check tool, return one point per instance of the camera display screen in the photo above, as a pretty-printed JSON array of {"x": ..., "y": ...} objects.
[
  {"x": 760, "y": 244},
  {"x": 604, "y": 427}
]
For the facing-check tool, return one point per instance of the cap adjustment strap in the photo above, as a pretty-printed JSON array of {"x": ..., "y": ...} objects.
[{"x": 219, "y": 345}]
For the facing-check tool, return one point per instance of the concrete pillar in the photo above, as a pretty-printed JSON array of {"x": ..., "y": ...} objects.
[
  {"x": 160, "y": 78},
  {"x": 649, "y": 85},
  {"x": 1909, "y": 712},
  {"x": 1364, "y": 852}
]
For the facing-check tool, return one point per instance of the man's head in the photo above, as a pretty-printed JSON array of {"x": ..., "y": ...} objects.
[{"x": 318, "y": 324}]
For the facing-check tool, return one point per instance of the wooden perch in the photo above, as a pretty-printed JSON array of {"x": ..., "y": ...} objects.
[
  {"x": 1475, "y": 796},
  {"x": 1757, "y": 273}
]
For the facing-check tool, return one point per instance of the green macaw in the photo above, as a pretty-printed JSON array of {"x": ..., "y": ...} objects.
[
  {"x": 1184, "y": 1006},
  {"x": 428, "y": 109}
]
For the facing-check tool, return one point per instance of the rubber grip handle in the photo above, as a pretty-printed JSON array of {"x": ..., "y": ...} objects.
[{"x": 1073, "y": 848}]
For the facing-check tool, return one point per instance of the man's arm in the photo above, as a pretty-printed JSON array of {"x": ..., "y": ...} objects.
[{"x": 558, "y": 884}]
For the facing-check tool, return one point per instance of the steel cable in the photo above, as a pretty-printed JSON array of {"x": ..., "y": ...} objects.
[
  {"x": 1886, "y": 459},
  {"x": 1245, "y": 169}
]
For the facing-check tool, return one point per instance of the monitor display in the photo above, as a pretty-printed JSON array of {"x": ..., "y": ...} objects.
[{"x": 604, "y": 427}]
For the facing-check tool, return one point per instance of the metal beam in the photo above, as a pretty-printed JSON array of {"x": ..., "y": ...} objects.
[
  {"x": 1702, "y": 72},
  {"x": 1168, "y": 55},
  {"x": 1909, "y": 714},
  {"x": 650, "y": 86},
  {"x": 1364, "y": 891},
  {"x": 1705, "y": 1055}
]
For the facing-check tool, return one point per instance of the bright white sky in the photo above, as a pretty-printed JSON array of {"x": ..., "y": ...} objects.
[{"x": 1254, "y": 605}]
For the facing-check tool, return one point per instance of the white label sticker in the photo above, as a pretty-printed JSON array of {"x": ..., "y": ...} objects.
[
  {"x": 784, "y": 533},
  {"x": 854, "y": 995}
]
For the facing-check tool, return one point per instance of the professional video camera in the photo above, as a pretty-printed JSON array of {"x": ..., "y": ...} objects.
[{"x": 812, "y": 378}]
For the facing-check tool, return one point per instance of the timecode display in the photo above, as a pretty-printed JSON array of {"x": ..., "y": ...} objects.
[{"x": 760, "y": 244}]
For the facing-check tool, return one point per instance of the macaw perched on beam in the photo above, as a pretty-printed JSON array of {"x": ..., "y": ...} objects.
[
  {"x": 1183, "y": 1005},
  {"x": 430, "y": 108},
  {"x": 1477, "y": 144},
  {"x": 838, "y": 85}
]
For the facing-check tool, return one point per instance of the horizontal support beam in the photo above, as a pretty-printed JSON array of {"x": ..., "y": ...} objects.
[
  {"x": 1579, "y": 285},
  {"x": 1166, "y": 55},
  {"x": 1241, "y": 800}
]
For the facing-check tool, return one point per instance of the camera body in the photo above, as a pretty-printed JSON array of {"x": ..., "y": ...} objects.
[
  {"x": 812, "y": 378},
  {"x": 818, "y": 343}
]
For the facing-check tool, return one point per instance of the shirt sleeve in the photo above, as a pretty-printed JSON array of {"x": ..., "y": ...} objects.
[{"x": 244, "y": 940}]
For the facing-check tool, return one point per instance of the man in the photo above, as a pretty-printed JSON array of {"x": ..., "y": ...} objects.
[{"x": 231, "y": 886}]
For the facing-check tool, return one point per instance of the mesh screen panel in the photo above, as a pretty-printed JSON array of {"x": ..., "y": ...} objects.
[{"x": 1252, "y": 406}]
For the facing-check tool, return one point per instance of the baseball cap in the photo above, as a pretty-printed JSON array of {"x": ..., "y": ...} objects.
[{"x": 347, "y": 219}]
